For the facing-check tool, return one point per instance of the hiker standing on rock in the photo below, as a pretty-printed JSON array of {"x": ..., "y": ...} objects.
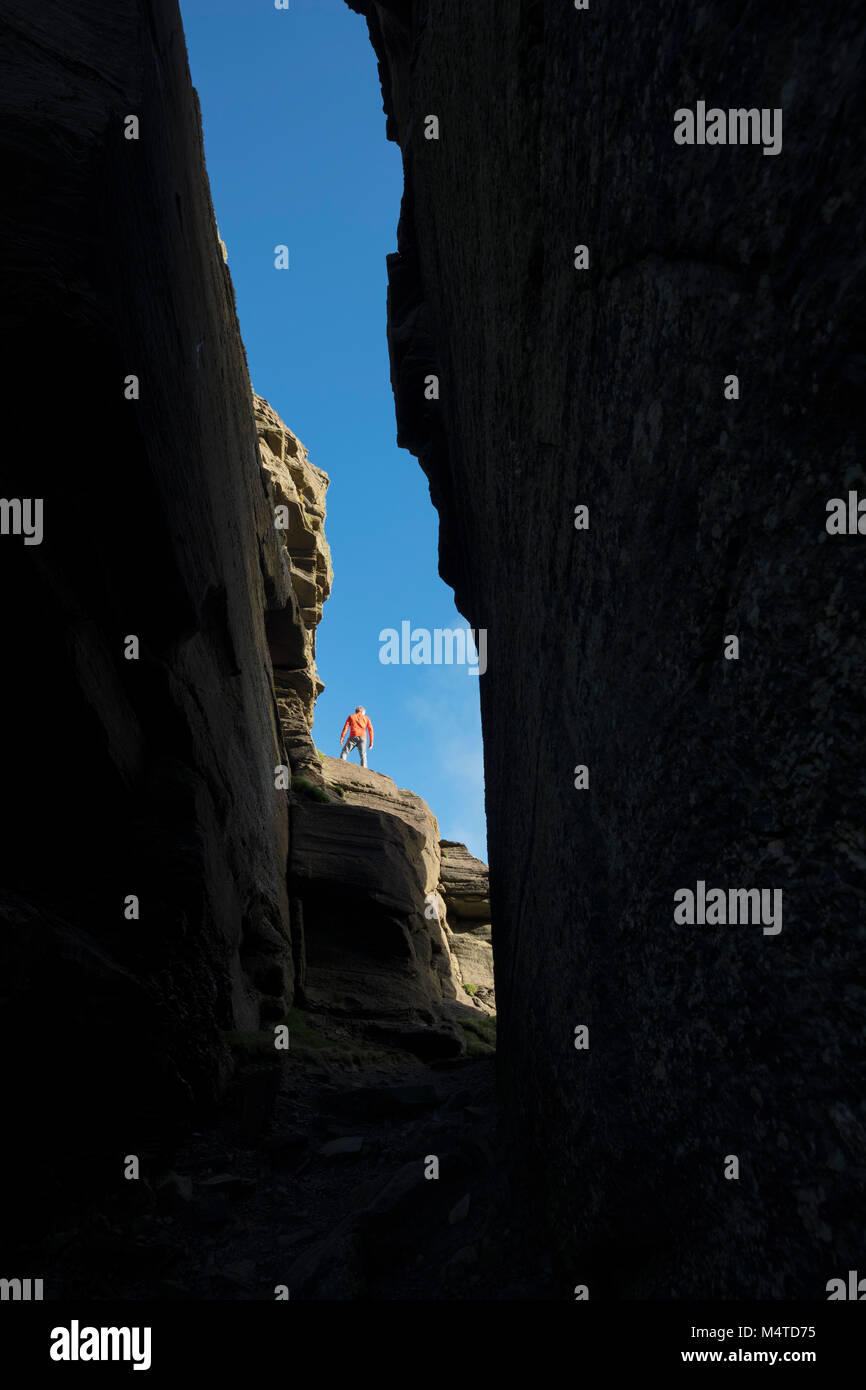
[{"x": 357, "y": 724}]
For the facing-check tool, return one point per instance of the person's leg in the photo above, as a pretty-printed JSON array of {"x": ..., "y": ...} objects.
[
  {"x": 344, "y": 751},
  {"x": 362, "y": 742}
]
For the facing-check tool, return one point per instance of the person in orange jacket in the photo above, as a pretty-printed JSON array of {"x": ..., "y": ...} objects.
[{"x": 358, "y": 725}]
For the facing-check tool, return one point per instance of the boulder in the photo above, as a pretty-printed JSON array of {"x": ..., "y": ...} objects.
[
  {"x": 464, "y": 884},
  {"x": 364, "y": 867}
]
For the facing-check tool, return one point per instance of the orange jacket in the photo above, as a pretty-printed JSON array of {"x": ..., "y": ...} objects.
[{"x": 359, "y": 725}]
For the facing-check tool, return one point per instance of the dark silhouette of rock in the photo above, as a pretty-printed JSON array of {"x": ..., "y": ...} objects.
[
  {"x": 154, "y": 776},
  {"x": 605, "y": 387}
]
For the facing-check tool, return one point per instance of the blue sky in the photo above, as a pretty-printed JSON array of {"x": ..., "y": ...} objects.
[{"x": 297, "y": 156}]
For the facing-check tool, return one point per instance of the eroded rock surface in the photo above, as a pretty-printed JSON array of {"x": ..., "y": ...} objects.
[
  {"x": 464, "y": 886},
  {"x": 299, "y": 489},
  {"x": 157, "y": 526},
  {"x": 605, "y": 387},
  {"x": 365, "y": 869}
]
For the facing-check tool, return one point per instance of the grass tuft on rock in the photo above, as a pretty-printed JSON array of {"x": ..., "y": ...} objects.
[
  {"x": 480, "y": 1035},
  {"x": 311, "y": 791}
]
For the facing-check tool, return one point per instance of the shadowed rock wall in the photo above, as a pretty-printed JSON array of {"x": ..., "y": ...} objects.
[
  {"x": 605, "y": 387},
  {"x": 155, "y": 776}
]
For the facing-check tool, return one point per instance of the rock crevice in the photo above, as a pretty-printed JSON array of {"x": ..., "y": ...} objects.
[{"x": 162, "y": 895}]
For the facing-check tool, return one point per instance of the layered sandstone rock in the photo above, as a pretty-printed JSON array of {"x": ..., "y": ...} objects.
[
  {"x": 299, "y": 489},
  {"x": 465, "y": 883},
  {"x": 605, "y": 387},
  {"x": 364, "y": 872},
  {"x": 465, "y": 890}
]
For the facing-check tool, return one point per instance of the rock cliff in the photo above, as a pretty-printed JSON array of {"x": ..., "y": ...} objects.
[
  {"x": 299, "y": 490},
  {"x": 372, "y": 932},
  {"x": 366, "y": 876},
  {"x": 145, "y": 901},
  {"x": 604, "y": 387}
]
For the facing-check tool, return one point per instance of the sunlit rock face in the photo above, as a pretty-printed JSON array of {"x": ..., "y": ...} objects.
[
  {"x": 364, "y": 870},
  {"x": 464, "y": 885},
  {"x": 605, "y": 387},
  {"x": 299, "y": 489}
]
